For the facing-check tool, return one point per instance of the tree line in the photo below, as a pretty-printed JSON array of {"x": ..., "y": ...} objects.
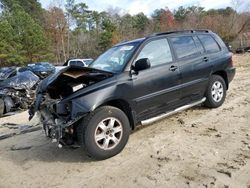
[{"x": 29, "y": 33}]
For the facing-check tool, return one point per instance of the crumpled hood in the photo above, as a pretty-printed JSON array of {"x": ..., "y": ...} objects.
[
  {"x": 70, "y": 70},
  {"x": 64, "y": 82}
]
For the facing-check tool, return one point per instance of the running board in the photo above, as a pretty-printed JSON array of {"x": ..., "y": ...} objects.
[{"x": 151, "y": 120}]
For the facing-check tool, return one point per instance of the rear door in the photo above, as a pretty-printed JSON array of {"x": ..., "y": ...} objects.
[
  {"x": 194, "y": 65},
  {"x": 155, "y": 89}
]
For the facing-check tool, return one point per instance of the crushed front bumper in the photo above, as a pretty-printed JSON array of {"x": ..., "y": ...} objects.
[{"x": 58, "y": 123}]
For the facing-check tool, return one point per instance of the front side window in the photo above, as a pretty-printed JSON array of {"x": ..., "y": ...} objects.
[
  {"x": 184, "y": 46},
  {"x": 209, "y": 43},
  {"x": 158, "y": 52}
]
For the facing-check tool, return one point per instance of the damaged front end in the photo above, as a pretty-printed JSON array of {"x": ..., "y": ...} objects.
[{"x": 59, "y": 101}]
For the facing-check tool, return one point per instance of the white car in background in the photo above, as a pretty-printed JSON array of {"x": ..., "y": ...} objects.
[{"x": 78, "y": 62}]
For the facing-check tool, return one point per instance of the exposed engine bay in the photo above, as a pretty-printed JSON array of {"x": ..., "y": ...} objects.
[
  {"x": 71, "y": 81},
  {"x": 54, "y": 106}
]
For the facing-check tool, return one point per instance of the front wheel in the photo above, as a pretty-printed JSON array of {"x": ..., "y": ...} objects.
[
  {"x": 216, "y": 92},
  {"x": 104, "y": 133}
]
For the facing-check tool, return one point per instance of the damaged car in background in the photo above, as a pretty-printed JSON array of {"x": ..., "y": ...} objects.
[
  {"x": 17, "y": 92},
  {"x": 18, "y": 86},
  {"x": 78, "y": 62},
  {"x": 133, "y": 83},
  {"x": 41, "y": 69}
]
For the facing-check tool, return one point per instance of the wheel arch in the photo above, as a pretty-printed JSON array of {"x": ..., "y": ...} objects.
[
  {"x": 223, "y": 74},
  {"x": 125, "y": 107}
]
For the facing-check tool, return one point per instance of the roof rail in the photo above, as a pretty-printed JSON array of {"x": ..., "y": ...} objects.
[{"x": 182, "y": 31}]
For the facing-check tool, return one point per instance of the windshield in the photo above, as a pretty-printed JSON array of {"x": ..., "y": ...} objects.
[{"x": 114, "y": 59}]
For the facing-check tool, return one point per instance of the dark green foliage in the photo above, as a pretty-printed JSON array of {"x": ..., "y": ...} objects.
[
  {"x": 105, "y": 40},
  {"x": 181, "y": 13},
  {"x": 222, "y": 11},
  {"x": 22, "y": 39},
  {"x": 140, "y": 22},
  {"x": 9, "y": 48},
  {"x": 32, "y": 7},
  {"x": 80, "y": 13},
  {"x": 106, "y": 36}
]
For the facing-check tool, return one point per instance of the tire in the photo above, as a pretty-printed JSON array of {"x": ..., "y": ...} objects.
[
  {"x": 216, "y": 92},
  {"x": 104, "y": 132}
]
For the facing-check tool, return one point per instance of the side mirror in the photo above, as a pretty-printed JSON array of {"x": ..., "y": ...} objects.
[{"x": 141, "y": 64}]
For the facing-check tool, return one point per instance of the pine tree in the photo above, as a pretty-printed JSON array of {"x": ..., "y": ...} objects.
[
  {"x": 9, "y": 47},
  {"x": 29, "y": 33}
]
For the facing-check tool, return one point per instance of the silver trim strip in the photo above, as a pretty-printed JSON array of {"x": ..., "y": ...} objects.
[{"x": 151, "y": 120}]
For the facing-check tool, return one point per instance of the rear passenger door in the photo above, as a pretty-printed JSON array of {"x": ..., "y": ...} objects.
[{"x": 194, "y": 66}]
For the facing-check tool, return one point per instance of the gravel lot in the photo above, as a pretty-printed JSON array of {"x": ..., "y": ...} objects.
[{"x": 199, "y": 147}]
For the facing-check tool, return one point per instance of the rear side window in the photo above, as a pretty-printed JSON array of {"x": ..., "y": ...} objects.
[
  {"x": 209, "y": 43},
  {"x": 184, "y": 46},
  {"x": 157, "y": 51}
]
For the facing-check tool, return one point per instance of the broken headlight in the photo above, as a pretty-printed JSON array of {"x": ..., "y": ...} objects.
[{"x": 63, "y": 108}]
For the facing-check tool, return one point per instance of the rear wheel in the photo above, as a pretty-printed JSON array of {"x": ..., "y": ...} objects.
[
  {"x": 104, "y": 133},
  {"x": 216, "y": 92}
]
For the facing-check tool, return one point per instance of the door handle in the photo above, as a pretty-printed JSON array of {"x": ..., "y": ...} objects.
[
  {"x": 205, "y": 59},
  {"x": 173, "y": 68}
]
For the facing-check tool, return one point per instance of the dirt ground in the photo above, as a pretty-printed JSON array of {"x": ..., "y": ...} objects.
[{"x": 199, "y": 147}]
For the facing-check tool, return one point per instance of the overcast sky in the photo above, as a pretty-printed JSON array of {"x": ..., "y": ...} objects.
[{"x": 145, "y": 6}]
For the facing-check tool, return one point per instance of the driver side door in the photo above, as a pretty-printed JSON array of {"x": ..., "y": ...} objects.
[{"x": 155, "y": 90}]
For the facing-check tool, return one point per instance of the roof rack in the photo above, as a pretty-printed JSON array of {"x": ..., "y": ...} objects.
[{"x": 181, "y": 31}]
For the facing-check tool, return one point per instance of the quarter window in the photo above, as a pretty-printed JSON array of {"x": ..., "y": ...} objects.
[
  {"x": 158, "y": 52},
  {"x": 209, "y": 43},
  {"x": 184, "y": 46}
]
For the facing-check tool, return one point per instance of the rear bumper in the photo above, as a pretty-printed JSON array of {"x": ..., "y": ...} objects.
[{"x": 230, "y": 73}]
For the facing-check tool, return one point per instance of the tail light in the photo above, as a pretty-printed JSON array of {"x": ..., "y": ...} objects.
[{"x": 231, "y": 60}]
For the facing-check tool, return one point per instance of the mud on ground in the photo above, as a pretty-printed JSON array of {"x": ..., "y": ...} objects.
[{"x": 199, "y": 147}]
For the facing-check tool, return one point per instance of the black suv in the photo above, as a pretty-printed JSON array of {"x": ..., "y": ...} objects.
[{"x": 133, "y": 83}]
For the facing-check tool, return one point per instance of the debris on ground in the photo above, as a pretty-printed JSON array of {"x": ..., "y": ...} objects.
[{"x": 11, "y": 129}]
